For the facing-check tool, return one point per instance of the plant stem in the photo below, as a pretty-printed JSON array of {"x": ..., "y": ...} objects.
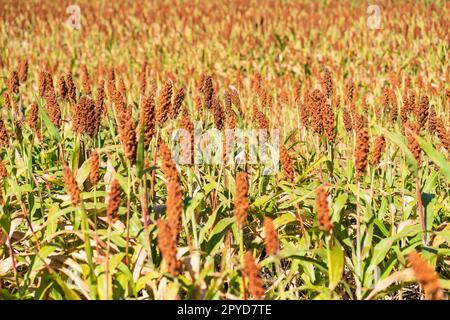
[
  {"x": 88, "y": 248},
  {"x": 107, "y": 291},
  {"x": 358, "y": 245},
  {"x": 127, "y": 245}
]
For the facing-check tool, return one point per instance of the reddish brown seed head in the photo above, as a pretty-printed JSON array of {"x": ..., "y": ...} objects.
[
  {"x": 323, "y": 210},
  {"x": 361, "y": 152},
  {"x": 350, "y": 91},
  {"x": 251, "y": 271},
  {"x": 207, "y": 89},
  {"x": 241, "y": 203},
  {"x": 327, "y": 83},
  {"x": 23, "y": 70},
  {"x": 52, "y": 106},
  {"x": 100, "y": 103},
  {"x": 421, "y": 111},
  {"x": 4, "y": 138},
  {"x": 442, "y": 133},
  {"x": 143, "y": 78},
  {"x": 129, "y": 141},
  {"x": 111, "y": 83},
  {"x": 167, "y": 245},
  {"x": 85, "y": 80},
  {"x": 317, "y": 104},
  {"x": 328, "y": 122},
  {"x": 95, "y": 164},
  {"x": 174, "y": 203},
  {"x": 62, "y": 88},
  {"x": 147, "y": 118},
  {"x": 122, "y": 88},
  {"x": 164, "y": 103},
  {"x": 385, "y": 99},
  {"x": 71, "y": 89},
  {"x": 426, "y": 276},
  {"x": 42, "y": 82},
  {"x": 113, "y": 200},
  {"x": 271, "y": 238},
  {"x": 3, "y": 171},
  {"x": 380, "y": 145},
  {"x": 218, "y": 114},
  {"x": 411, "y": 132},
  {"x": 347, "y": 120},
  {"x": 286, "y": 163},
  {"x": 71, "y": 185},
  {"x": 168, "y": 166},
  {"x": 85, "y": 117},
  {"x": 6, "y": 100},
  {"x": 177, "y": 103},
  {"x": 235, "y": 100},
  {"x": 13, "y": 82},
  {"x": 33, "y": 116}
]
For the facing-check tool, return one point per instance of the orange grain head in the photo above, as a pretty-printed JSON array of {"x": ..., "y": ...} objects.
[
  {"x": 113, "y": 200},
  {"x": 241, "y": 203},
  {"x": 71, "y": 185},
  {"x": 167, "y": 246},
  {"x": 426, "y": 276},
  {"x": 251, "y": 271},
  {"x": 271, "y": 237},
  {"x": 323, "y": 209}
]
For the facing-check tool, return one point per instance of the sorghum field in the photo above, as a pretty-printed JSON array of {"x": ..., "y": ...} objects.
[{"x": 96, "y": 204}]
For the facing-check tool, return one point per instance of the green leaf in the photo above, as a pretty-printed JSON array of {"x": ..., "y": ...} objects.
[
  {"x": 400, "y": 141},
  {"x": 217, "y": 234},
  {"x": 69, "y": 293},
  {"x": 83, "y": 172},
  {"x": 335, "y": 256},
  {"x": 49, "y": 124},
  {"x": 435, "y": 155},
  {"x": 381, "y": 249}
]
